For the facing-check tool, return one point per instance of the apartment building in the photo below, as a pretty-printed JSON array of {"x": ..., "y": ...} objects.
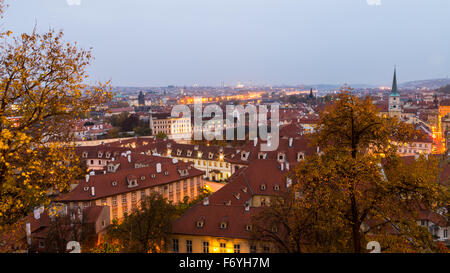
[
  {"x": 173, "y": 127},
  {"x": 122, "y": 189}
]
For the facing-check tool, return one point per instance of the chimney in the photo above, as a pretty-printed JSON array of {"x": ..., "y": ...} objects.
[
  {"x": 288, "y": 182},
  {"x": 255, "y": 141},
  {"x": 87, "y": 178},
  {"x": 129, "y": 158},
  {"x": 206, "y": 201},
  {"x": 318, "y": 150},
  {"x": 37, "y": 213},
  {"x": 158, "y": 167},
  {"x": 247, "y": 206},
  {"x": 93, "y": 191},
  {"x": 282, "y": 167},
  {"x": 287, "y": 166},
  {"x": 290, "y": 141},
  {"x": 28, "y": 230}
]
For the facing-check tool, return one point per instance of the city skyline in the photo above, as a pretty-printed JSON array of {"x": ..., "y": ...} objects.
[{"x": 160, "y": 43}]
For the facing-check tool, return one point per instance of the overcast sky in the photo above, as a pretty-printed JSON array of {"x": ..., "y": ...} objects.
[{"x": 185, "y": 42}]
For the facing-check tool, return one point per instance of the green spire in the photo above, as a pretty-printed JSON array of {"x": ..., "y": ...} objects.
[{"x": 394, "y": 91}]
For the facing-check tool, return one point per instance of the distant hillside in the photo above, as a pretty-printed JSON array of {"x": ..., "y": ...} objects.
[
  {"x": 428, "y": 84},
  {"x": 445, "y": 89}
]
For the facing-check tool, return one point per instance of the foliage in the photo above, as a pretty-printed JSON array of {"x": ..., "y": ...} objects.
[
  {"x": 357, "y": 189},
  {"x": 182, "y": 207},
  {"x": 143, "y": 131},
  {"x": 42, "y": 93},
  {"x": 146, "y": 229},
  {"x": 66, "y": 228},
  {"x": 161, "y": 135}
]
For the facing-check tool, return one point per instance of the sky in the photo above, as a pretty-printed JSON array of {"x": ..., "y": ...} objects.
[{"x": 272, "y": 42}]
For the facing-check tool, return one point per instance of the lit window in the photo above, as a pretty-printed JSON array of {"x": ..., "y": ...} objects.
[
  {"x": 175, "y": 245},
  {"x": 223, "y": 248},
  {"x": 237, "y": 248},
  {"x": 188, "y": 246},
  {"x": 205, "y": 247}
]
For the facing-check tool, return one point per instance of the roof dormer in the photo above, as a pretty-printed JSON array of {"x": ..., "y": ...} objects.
[
  {"x": 262, "y": 155},
  {"x": 132, "y": 181},
  {"x": 281, "y": 157},
  {"x": 201, "y": 222},
  {"x": 300, "y": 156},
  {"x": 223, "y": 224},
  {"x": 245, "y": 155}
]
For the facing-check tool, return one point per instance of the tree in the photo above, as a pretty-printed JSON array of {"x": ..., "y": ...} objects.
[
  {"x": 113, "y": 133},
  {"x": 146, "y": 229},
  {"x": 357, "y": 189},
  {"x": 129, "y": 123},
  {"x": 182, "y": 207},
  {"x": 69, "y": 227},
  {"x": 161, "y": 135},
  {"x": 117, "y": 120},
  {"x": 42, "y": 93},
  {"x": 142, "y": 131}
]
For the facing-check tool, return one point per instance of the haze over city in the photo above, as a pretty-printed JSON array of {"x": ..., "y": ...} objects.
[{"x": 207, "y": 42}]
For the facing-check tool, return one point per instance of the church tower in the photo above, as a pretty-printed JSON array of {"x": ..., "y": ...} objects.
[{"x": 394, "y": 98}]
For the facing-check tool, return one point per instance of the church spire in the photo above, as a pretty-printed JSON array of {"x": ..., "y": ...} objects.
[
  {"x": 311, "y": 94},
  {"x": 394, "y": 91}
]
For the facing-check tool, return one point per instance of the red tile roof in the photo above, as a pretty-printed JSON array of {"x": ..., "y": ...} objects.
[
  {"x": 145, "y": 177},
  {"x": 228, "y": 203}
]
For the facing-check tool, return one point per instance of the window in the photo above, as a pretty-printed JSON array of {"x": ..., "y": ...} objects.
[
  {"x": 422, "y": 222},
  {"x": 252, "y": 249},
  {"x": 223, "y": 248},
  {"x": 263, "y": 202},
  {"x": 175, "y": 245},
  {"x": 266, "y": 249},
  {"x": 223, "y": 225},
  {"x": 237, "y": 248},
  {"x": 115, "y": 213},
  {"x": 188, "y": 246},
  {"x": 445, "y": 233},
  {"x": 205, "y": 247},
  {"x": 41, "y": 244}
]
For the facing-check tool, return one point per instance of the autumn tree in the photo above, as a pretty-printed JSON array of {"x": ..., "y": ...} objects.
[
  {"x": 357, "y": 189},
  {"x": 69, "y": 227},
  {"x": 43, "y": 90},
  {"x": 146, "y": 229},
  {"x": 161, "y": 135},
  {"x": 187, "y": 203}
]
